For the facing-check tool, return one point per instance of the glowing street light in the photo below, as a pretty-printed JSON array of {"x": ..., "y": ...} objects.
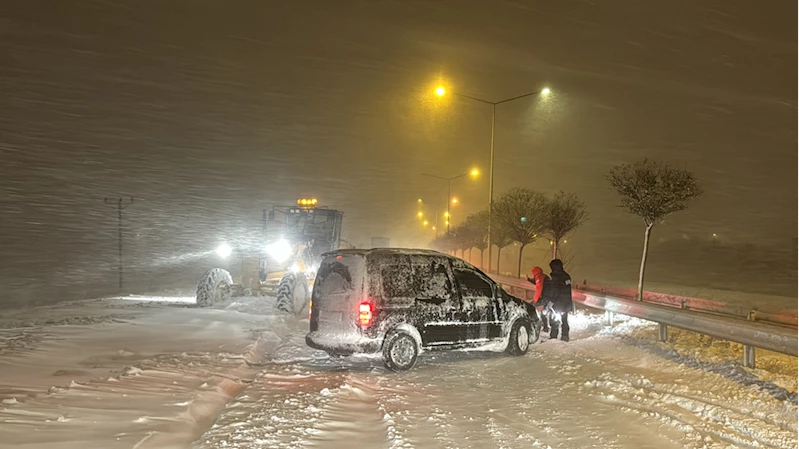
[
  {"x": 440, "y": 91},
  {"x": 451, "y": 200},
  {"x": 420, "y": 214},
  {"x": 425, "y": 223}
]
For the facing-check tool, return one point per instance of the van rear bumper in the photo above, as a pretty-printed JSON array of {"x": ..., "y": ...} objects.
[{"x": 342, "y": 344}]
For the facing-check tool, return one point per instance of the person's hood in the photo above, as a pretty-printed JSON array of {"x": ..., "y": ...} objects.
[
  {"x": 536, "y": 271},
  {"x": 556, "y": 265}
]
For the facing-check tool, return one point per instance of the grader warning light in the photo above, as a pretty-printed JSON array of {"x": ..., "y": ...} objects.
[{"x": 307, "y": 202}]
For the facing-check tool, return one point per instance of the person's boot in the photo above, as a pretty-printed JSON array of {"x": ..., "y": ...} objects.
[{"x": 564, "y": 338}]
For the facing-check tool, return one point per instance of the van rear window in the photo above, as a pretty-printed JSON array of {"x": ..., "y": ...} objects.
[{"x": 336, "y": 276}]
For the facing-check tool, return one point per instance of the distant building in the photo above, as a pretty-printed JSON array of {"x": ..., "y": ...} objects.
[{"x": 381, "y": 242}]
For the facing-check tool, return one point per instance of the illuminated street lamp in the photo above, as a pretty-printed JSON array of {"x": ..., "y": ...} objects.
[
  {"x": 441, "y": 91},
  {"x": 451, "y": 200}
]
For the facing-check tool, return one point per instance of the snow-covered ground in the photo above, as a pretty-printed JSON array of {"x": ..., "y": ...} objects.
[
  {"x": 156, "y": 372},
  {"x": 139, "y": 371}
]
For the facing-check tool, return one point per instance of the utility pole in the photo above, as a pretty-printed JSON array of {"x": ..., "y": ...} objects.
[{"x": 121, "y": 204}]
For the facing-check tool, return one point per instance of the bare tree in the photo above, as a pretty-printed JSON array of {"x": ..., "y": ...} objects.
[
  {"x": 564, "y": 213},
  {"x": 522, "y": 212},
  {"x": 460, "y": 240},
  {"x": 652, "y": 190},
  {"x": 443, "y": 243},
  {"x": 501, "y": 237},
  {"x": 475, "y": 229}
]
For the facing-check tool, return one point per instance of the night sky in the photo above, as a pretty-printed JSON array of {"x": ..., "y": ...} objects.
[{"x": 208, "y": 111}]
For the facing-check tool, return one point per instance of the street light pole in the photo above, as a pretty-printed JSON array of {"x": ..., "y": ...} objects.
[
  {"x": 449, "y": 193},
  {"x": 491, "y": 183},
  {"x": 449, "y": 201},
  {"x": 493, "y": 104}
]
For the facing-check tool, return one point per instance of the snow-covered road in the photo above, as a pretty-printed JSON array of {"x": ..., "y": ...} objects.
[
  {"x": 595, "y": 391},
  {"x": 157, "y": 374}
]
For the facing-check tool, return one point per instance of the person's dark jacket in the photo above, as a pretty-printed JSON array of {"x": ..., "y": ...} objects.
[{"x": 559, "y": 288}]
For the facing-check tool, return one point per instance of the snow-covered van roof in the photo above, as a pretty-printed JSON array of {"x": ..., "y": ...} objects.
[{"x": 375, "y": 251}]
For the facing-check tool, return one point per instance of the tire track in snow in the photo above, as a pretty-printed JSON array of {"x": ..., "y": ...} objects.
[
  {"x": 688, "y": 411},
  {"x": 352, "y": 418},
  {"x": 278, "y": 410}
]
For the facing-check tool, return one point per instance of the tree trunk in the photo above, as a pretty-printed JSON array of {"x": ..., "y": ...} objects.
[
  {"x": 519, "y": 266},
  {"x": 499, "y": 260},
  {"x": 555, "y": 249},
  {"x": 481, "y": 259},
  {"x": 470, "y": 256},
  {"x": 643, "y": 263}
]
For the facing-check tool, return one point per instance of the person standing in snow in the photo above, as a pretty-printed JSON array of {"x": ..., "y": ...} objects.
[
  {"x": 540, "y": 280},
  {"x": 558, "y": 294}
]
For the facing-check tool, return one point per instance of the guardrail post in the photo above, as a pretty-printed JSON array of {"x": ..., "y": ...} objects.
[
  {"x": 663, "y": 332},
  {"x": 749, "y": 351},
  {"x": 608, "y": 318}
]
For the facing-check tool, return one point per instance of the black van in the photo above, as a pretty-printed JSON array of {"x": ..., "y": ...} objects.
[{"x": 401, "y": 301}]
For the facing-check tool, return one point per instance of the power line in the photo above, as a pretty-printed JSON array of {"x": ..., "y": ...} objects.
[{"x": 121, "y": 204}]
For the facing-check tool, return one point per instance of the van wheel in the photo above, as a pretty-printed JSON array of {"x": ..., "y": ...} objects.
[
  {"x": 400, "y": 351},
  {"x": 519, "y": 341}
]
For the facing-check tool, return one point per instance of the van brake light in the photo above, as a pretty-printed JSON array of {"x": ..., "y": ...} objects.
[{"x": 365, "y": 314}]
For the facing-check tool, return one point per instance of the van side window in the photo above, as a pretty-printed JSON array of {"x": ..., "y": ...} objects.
[
  {"x": 396, "y": 281},
  {"x": 472, "y": 285},
  {"x": 433, "y": 280}
]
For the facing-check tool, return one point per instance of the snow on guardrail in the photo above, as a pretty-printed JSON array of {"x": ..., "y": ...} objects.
[
  {"x": 778, "y": 338},
  {"x": 784, "y": 318}
]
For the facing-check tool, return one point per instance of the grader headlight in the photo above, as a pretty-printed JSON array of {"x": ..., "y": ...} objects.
[{"x": 280, "y": 250}]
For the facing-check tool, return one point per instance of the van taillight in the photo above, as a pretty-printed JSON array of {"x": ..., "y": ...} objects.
[
  {"x": 310, "y": 309},
  {"x": 365, "y": 313}
]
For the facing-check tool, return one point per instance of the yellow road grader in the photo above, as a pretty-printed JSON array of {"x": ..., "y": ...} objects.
[{"x": 285, "y": 264}]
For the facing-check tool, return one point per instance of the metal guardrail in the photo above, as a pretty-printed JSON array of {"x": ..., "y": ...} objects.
[{"x": 751, "y": 334}]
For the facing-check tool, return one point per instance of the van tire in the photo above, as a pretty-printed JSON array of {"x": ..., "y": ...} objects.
[
  {"x": 400, "y": 351},
  {"x": 519, "y": 338}
]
